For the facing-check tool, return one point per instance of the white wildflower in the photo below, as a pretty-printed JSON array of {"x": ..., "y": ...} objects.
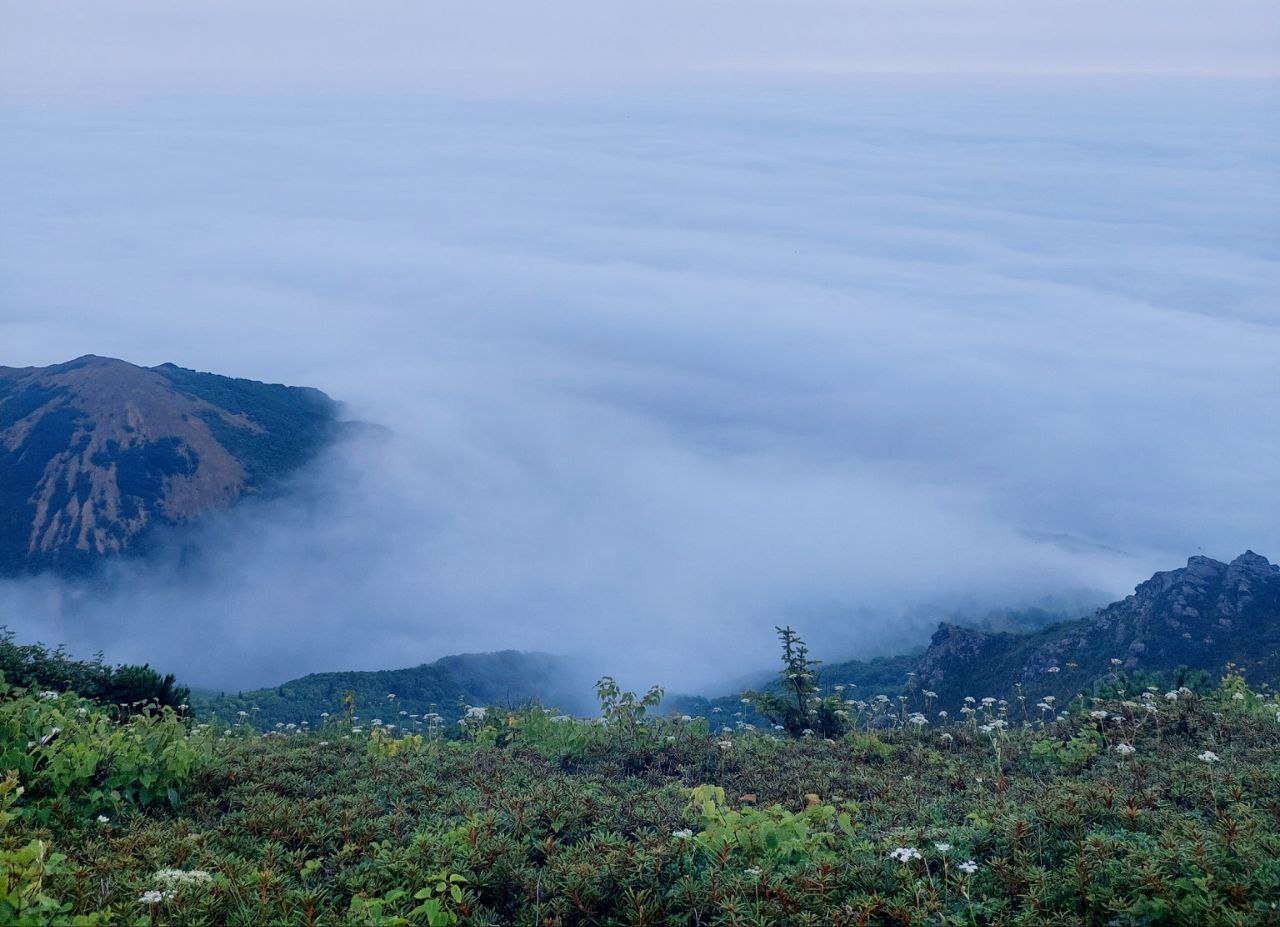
[
  {"x": 1125, "y": 749},
  {"x": 1208, "y": 757},
  {"x": 968, "y": 867},
  {"x": 905, "y": 854},
  {"x": 942, "y": 847}
]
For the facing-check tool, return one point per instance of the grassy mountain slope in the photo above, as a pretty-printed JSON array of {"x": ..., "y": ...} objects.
[{"x": 507, "y": 677}]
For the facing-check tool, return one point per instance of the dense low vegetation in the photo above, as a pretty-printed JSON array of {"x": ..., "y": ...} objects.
[
  {"x": 125, "y": 688},
  {"x": 1137, "y": 806}
]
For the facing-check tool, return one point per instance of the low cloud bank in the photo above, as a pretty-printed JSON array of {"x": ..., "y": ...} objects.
[{"x": 663, "y": 373}]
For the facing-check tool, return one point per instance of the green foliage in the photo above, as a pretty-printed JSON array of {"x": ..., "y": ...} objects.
[
  {"x": 1074, "y": 754},
  {"x": 533, "y": 818},
  {"x": 795, "y": 704},
  {"x": 75, "y": 762},
  {"x": 126, "y": 688},
  {"x": 623, "y": 712},
  {"x": 771, "y": 836}
]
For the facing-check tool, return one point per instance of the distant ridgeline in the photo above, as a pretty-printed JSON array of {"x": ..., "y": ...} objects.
[
  {"x": 1201, "y": 617},
  {"x": 508, "y": 677},
  {"x": 1178, "y": 627},
  {"x": 1181, "y": 626},
  {"x": 97, "y": 453}
]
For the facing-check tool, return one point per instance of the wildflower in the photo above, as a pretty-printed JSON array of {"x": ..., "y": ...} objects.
[
  {"x": 1116, "y": 661},
  {"x": 476, "y": 714},
  {"x": 1237, "y": 697},
  {"x": 685, "y": 834},
  {"x": 1125, "y": 749},
  {"x": 807, "y": 732},
  {"x": 324, "y": 714},
  {"x": 324, "y": 743},
  {"x": 1052, "y": 669},
  {"x": 103, "y": 819},
  {"x": 942, "y": 847},
  {"x": 152, "y": 897},
  {"x": 1208, "y": 757},
  {"x": 918, "y": 719},
  {"x": 968, "y": 867},
  {"x": 1098, "y": 713},
  {"x": 48, "y": 695},
  {"x": 725, "y": 744},
  {"x": 753, "y": 872},
  {"x": 905, "y": 854},
  {"x": 968, "y": 699},
  {"x": 175, "y": 877},
  {"x": 1171, "y": 696}
]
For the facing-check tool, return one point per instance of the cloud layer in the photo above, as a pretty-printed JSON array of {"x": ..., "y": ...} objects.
[{"x": 665, "y": 370}]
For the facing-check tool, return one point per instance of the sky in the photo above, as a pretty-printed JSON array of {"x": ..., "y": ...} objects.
[{"x": 685, "y": 320}]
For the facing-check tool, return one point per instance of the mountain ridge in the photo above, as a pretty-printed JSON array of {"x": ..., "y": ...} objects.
[
  {"x": 1203, "y": 616},
  {"x": 96, "y": 453}
]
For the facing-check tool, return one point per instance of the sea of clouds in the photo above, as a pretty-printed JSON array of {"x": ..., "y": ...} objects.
[{"x": 666, "y": 365}]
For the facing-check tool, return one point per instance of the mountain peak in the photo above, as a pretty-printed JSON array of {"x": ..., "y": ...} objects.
[
  {"x": 1249, "y": 562},
  {"x": 96, "y": 453}
]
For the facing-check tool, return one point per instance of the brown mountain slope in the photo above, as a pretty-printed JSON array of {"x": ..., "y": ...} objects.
[{"x": 97, "y": 452}]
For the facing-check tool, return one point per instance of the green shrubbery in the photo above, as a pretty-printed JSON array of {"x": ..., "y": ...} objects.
[
  {"x": 127, "y": 689},
  {"x": 1148, "y": 807}
]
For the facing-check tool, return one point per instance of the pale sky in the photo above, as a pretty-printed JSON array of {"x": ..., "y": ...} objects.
[{"x": 89, "y": 47}]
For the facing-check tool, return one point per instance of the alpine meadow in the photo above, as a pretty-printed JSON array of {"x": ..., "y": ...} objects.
[{"x": 693, "y": 463}]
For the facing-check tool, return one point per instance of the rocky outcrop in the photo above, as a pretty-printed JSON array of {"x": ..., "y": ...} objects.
[{"x": 1203, "y": 616}]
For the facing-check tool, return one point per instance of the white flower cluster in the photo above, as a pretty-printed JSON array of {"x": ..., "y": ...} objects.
[
  {"x": 177, "y": 878},
  {"x": 905, "y": 854}
]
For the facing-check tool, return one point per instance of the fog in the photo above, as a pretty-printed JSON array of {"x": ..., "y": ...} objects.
[{"x": 666, "y": 363}]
